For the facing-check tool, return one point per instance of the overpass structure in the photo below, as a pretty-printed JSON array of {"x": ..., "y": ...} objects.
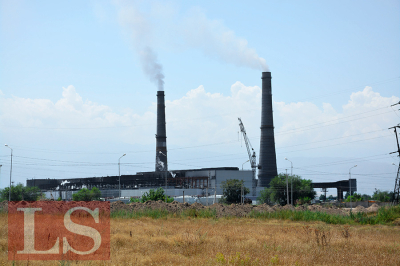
[{"x": 341, "y": 186}]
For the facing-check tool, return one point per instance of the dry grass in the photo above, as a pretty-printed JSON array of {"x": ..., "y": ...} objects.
[{"x": 238, "y": 241}]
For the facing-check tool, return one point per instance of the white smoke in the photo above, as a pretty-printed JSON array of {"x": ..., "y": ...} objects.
[
  {"x": 152, "y": 69},
  {"x": 194, "y": 29},
  {"x": 140, "y": 31},
  {"x": 216, "y": 40}
]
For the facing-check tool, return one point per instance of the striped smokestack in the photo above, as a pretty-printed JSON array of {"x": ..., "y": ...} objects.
[
  {"x": 161, "y": 136},
  {"x": 267, "y": 164}
]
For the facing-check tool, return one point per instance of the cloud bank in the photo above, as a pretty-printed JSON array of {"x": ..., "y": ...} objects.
[{"x": 203, "y": 117}]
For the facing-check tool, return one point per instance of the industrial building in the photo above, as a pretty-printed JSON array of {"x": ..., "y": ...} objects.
[{"x": 195, "y": 182}]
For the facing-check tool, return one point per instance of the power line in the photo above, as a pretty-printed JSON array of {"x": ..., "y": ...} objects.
[{"x": 225, "y": 142}]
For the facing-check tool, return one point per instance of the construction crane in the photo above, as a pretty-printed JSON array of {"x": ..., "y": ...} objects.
[{"x": 252, "y": 156}]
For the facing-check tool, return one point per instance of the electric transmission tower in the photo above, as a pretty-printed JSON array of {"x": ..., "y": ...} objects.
[{"x": 396, "y": 192}]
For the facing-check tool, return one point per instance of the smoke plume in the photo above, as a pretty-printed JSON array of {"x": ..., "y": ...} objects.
[
  {"x": 140, "y": 29},
  {"x": 218, "y": 41},
  {"x": 152, "y": 68},
  {"x": 194, "y": 29}
]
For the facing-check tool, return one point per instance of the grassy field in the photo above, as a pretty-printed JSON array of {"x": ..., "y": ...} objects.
[{"x": 165, "y": 240}]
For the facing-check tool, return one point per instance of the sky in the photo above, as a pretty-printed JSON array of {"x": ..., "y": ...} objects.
[{"x": 78, "y": 83}]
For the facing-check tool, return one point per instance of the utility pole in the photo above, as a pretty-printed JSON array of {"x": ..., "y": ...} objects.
[
  {"x": 287, "y": 188},
  {"x": 119, "y": 174},
  {"x": 291, "y": 178},
  {"x": 9, "y": 194},
  {"x": 396, "y": 192},
  {"x": 351, "y": 208},
  {"x": 241, "y": 194},
  {"x": 208, "y": 182}
]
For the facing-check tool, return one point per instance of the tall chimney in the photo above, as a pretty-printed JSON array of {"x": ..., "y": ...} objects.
[
  {"x": 161, "y": 136},
  {"x": 267, "y": 164}
]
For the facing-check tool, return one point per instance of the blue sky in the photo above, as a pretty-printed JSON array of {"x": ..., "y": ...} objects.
[{"x": 332, "y": 61}]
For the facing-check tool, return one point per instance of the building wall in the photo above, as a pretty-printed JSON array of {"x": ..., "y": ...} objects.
[
  {"x": 223, "y": 175},
  {"x": 216, "y": 177}
]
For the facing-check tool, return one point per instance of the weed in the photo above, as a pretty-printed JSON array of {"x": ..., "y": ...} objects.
[
  {"x": 64, "y": 263},
  {"x": 275, "y": 260},
  {"x": 237, "y": 259},
  {"x": 345, "y": 232},
  {"x": 322, "y": 236},
  {"x": 220, "y": 258}
]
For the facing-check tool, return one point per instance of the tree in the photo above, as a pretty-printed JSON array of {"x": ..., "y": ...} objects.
[
  {"x": 231, "y": 190},
  {"x": 366, "y": 197},
  {"x": 383, "y": 196},
  {"x": 322, "y": 197},
  {"x": 20, "y": 192},
  {"x": 156, "y": 195},
  {"x": 355, "y": 197},
  {"x": 277, "y": 193},
  {"x": 87, "y": 195}
]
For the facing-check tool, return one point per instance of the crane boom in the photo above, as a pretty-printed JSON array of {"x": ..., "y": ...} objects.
[
  {"x": 250, "y": 150},
  {"x": 252, "y": 157}
]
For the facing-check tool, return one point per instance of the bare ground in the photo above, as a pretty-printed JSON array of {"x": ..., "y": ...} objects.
[{"x": 235, "y": 210}]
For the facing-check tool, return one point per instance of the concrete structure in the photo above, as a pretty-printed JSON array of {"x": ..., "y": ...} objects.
[
  {"x": 341, "y": 186},
  {"x": 161, "y": 136},
  {"x": 193, "y": 182},
  {"x": 267, "y": 159}
]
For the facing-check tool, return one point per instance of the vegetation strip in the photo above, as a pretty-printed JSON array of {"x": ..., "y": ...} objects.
[{"x": 384, "y": 216}]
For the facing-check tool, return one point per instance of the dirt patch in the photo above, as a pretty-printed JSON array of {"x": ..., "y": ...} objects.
[
  {"x": 359, "y": 209},
  {"x": 235, "y": 210},
  {"x": 397, "y": 222},
  {"x": 373, "y": 208},
  {"x": 4, "y": 206}
]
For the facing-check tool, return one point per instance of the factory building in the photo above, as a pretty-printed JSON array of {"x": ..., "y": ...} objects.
[{"x": 195, "y": 182}]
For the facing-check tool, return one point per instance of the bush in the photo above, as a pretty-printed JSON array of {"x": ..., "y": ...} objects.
[
  {"x": 232, "y": 190},
  {"x": 355, "y": 197},
  {"x": 156, "y": 195},
  {"x": 87, "y": 195},
  {"x": 383, "y": 196},
  {"x": 277, "y": 192},
  {"x": 303, "y": 200},
  {"x": 20, "y": 192},
  {"x": 135, "y": 200}
]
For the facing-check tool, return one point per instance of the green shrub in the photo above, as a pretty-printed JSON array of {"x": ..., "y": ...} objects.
[
  {"x": 156, "y": 195},
  {"x": 277, "y": 190},
  {"x": 135, "y": 200},
  {"x": 232, "y": 190},
  {"x": 20, "y": 192},
  {"x": 87, "y": 195}
]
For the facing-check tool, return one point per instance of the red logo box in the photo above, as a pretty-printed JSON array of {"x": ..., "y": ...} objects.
[{"x": 57, "y": 230}]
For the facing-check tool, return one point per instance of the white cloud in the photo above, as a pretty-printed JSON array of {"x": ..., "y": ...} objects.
[
  {"x": 202, "y": 117},
  {"x": 366, "y": 111},
  {"x": 73, "y": 124},
  {"x": 70, "y": 112},
  {"x": 214, "y": 39}
]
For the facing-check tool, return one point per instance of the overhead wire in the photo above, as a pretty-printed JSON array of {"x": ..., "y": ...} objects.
[{"x": 304, "y": 128}]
